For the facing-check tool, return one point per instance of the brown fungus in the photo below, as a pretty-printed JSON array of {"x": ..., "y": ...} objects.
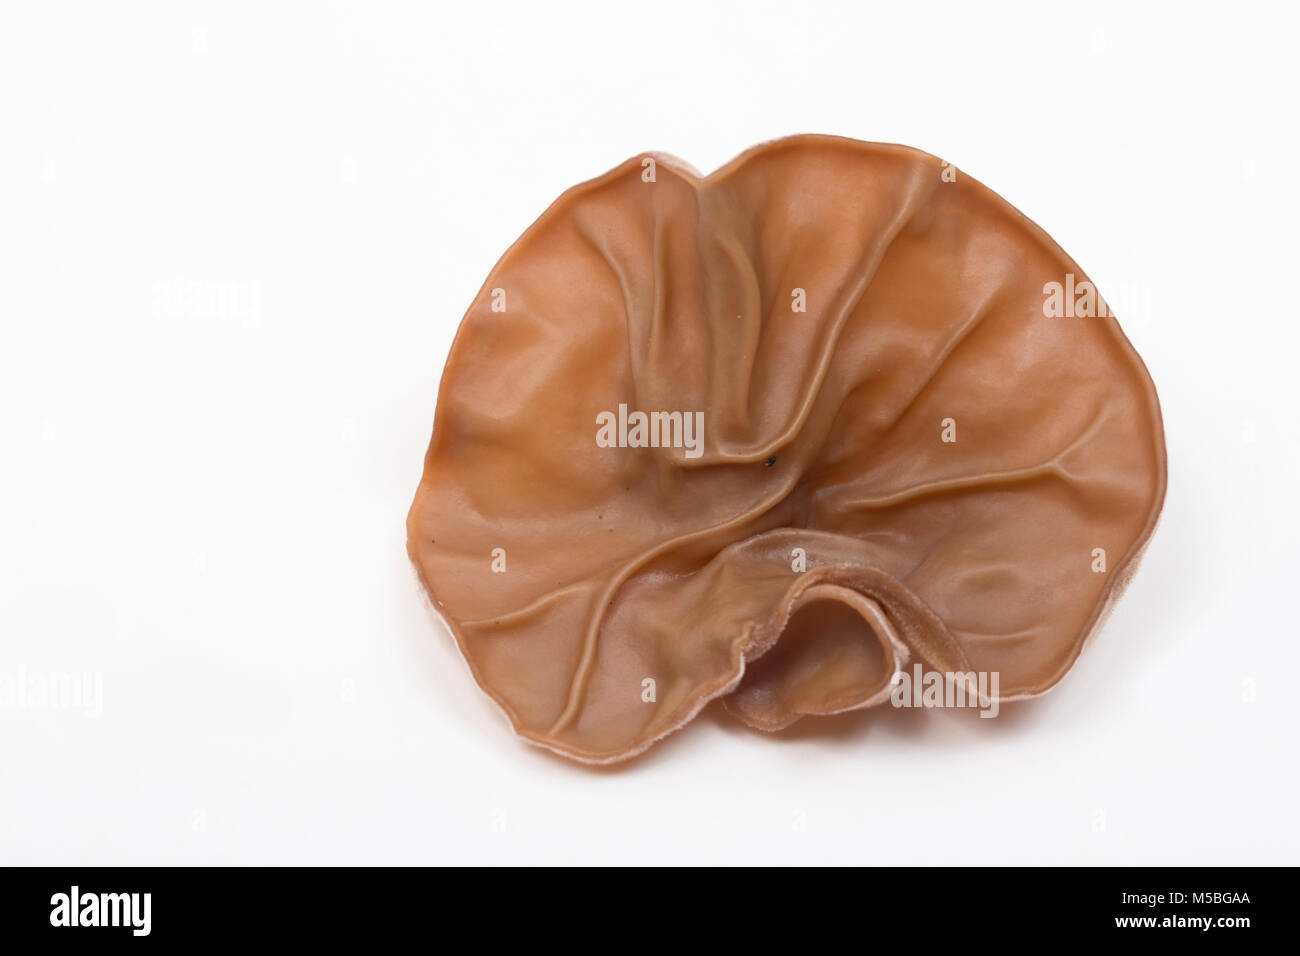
[{"x": 922, "y": 439}]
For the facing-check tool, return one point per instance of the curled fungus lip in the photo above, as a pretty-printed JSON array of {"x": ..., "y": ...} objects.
[{"x": 971, "y": 456}]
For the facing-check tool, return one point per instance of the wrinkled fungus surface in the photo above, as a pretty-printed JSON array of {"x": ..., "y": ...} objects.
[{"x": 923, "y": 440}]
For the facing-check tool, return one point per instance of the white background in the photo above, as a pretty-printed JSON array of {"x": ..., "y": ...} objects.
[{"x": 235, "y": 243}]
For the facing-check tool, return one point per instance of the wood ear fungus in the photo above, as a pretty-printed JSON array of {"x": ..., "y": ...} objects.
[{"x": 778, "y": 435}]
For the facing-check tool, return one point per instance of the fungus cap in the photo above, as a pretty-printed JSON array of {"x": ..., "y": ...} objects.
[{"x": 922, "y": 438}]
